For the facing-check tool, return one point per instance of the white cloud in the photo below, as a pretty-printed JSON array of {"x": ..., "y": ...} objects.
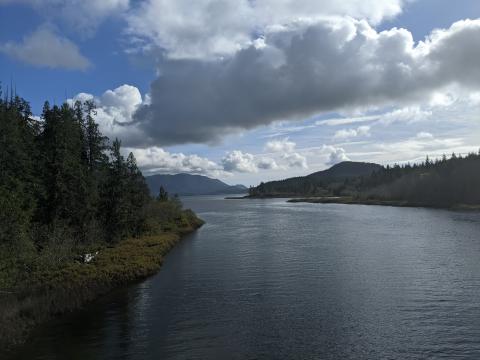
[
  {"x": 424, "y": 135},
  {"x": 45, "y": 48},
  {"x": 157, "y": 160},
  {"x": 266, "y": 163},
  {"x": 286, "y": 150},
  {"x": 237, "y": 161},
  {"x": 115, "y": 110},
  {"x": 351, "y": 133},
  {"x": 215, "y": 28},
  {"x": 334, "y": 154},
  {"x": 422, "y": 144},
  {"x": 295, "y": 160},
  {"x": 283, "y": 145},
  {"x": 307, "y": 68}
]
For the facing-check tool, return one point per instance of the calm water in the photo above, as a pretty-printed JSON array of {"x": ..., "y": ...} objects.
[{"x": 272, "y": 280}]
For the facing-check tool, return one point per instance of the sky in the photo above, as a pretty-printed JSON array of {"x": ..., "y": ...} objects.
[{"x": 256, "y": 90}]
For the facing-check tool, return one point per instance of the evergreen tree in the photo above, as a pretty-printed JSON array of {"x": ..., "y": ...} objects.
[{"x": 162, "y": 194}]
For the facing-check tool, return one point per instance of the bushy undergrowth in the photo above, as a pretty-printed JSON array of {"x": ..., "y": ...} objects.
[{"x": 31, "y": 296}]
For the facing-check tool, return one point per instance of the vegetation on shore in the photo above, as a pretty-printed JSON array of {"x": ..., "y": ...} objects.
[
  {"x": 76, "y": 217},
  {"x": 444, "y": 183},
  {"x": 358, "y": 201}
]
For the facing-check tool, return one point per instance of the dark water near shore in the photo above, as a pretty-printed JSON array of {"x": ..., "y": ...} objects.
[{"x": 272, "y": 280}]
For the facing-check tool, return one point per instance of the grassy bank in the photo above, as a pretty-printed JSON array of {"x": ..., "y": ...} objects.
[{"x": 49, "y": 292}]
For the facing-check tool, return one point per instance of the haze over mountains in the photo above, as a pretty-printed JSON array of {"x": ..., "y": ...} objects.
[{"x": 186, "y": 184}]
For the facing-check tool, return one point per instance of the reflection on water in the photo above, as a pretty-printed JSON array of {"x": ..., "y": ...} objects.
[{"x": 269, "y": 279}]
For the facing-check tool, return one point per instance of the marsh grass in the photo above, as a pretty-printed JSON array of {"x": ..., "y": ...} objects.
[{"x": 49, "y": 289}]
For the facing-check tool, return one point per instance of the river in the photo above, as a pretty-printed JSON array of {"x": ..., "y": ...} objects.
[{"x": 269, "y": 279}]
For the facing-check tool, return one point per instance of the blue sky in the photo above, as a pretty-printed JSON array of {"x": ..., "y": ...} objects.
[{"x": 236, "y": 91}]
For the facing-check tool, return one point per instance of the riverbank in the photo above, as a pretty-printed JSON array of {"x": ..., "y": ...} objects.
[
  {"x": 49, "y": 293},
  {"x": 398, "y": 203}
]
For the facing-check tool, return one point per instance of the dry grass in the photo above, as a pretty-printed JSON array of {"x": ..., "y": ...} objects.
[{"x": 46, "y": 293}]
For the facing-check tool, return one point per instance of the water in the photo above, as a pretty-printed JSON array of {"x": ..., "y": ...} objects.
[{"x": 272, "y": 280}]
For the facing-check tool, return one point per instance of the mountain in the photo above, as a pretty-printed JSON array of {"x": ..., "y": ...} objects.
[
  {"x": 186, "y": 184},
  {"x": 326, "y": 182},
  {"x": 346, "y": 169}
]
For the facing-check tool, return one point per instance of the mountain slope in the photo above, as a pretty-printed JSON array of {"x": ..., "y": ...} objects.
[
  {"x": 346, "y": 169},
  {"x": 186, "y": 184},
  {"x": 326, "y": 182}
]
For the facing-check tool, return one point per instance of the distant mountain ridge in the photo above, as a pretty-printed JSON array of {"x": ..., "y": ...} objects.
[
  {"x": 187, "y": 184},
  {"x": 319, "y": 183}
]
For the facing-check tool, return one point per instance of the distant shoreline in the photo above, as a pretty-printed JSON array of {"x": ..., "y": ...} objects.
[{"x": 353, "y": 201}]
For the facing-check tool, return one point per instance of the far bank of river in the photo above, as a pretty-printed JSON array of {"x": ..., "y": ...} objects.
[{"x": 355, "y": 201}]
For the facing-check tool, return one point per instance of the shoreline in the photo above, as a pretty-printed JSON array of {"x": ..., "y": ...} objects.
[
  {"x": 52, "y": 293},
  {"x": 351, "y": 201},
  {"x": 395, "y": 203}
]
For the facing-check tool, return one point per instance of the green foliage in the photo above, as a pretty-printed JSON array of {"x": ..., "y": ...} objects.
[
  {"x": 63, "y": 187},
  {"x": 65, "y": 191},
  {"x": 441, "y": 183},
  {"x": 438, "y": 183},
  {"x": 162, "y": 194}
]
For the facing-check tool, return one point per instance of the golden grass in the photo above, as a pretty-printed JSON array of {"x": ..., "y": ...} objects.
[{"x": 49, "y": 292}]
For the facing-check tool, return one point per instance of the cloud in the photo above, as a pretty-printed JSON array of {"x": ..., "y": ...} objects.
[
  {"x": 283, "y": 145},
  {"x": 351, "y": 133},
  {"x": 45, "y": 48},
  {"x": 115, "y": 109},
  {"x": 424, "y": 135},
  {"x": 295, "y": 160},
  {"x": 266, "y": 163},
  {"x": 335, "y": 155},
  {"x": 83, "y": 16},
  {"x": 237, "y": 161},
  {"x": 157, "y": 160},
  {"x": 306, "y": 68},
  {"x": 206, "y": 29},
  {"x": 287, "y": 152},
  {"x": 421, "y": 144}
]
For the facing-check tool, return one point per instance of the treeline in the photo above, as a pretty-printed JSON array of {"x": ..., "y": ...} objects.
[
  {"x": 322, "y": 183},
  {"x": 444, "y": 182},
  {"x": 440, "y": 183},
  {"x": 64, "y": 186}
]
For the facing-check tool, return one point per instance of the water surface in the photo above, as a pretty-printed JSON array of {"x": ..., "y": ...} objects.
[{"x": 270, "y": 279}]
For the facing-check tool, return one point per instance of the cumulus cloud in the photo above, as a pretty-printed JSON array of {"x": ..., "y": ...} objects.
[
  {"x": 157, "y": 160},
  {"x": 351, "y": 133},
  {"x": 237, "y": 161},
  {"x": 115, "y": 109},
  {"x": 287, "y": 152},
  {"x": 305, "y": 68},
  {"x": 45, "y": 48},
  {"x": 334, "y": 154},
  {"x": 295, "y": 160},
  {"x": 81, "y": 15},
  {"x": 266, "y": 163},
  {"x": 283, "y": 145},
  {"x": 205, "y": 29}
]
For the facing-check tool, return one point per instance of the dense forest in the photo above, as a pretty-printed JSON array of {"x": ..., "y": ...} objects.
[
  {"x": 66, "y": 189},
  {"x": 321, "y": 183},
  {"x": 444, "y": 182}
]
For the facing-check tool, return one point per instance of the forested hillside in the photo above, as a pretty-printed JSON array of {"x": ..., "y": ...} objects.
[
  {"x": 440, "y": 183},
  {"x": 321, "y": 183},
  {"x": 445, "y": 182}
]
